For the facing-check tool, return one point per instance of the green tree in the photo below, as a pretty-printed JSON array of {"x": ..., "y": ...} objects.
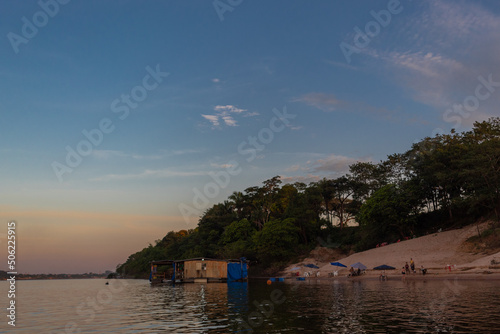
[
  {"x": 237, "y": 240},
  {"x": 277, "y": 241},
  {"x": 480, "y": 166},
  {"x": 387, "y": 214}
]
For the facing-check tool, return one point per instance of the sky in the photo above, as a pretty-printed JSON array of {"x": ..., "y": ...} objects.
[{"x": 124, "y": 120}]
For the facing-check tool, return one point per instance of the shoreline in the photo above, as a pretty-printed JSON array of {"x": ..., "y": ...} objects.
[
  {"x": 477, "y": 273},
  {"x": 394, "y": 277}
]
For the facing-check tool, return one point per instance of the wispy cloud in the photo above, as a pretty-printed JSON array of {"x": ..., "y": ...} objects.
[
  {"x": 329, "y": 102},
  {"x": 222, "y": 166},
  {"x": 448, "y": 44},
  {"x": 148, "y": 174},
  {"x": 309, "y": 178},
  {"x": 106, "y": 154},
  {"x": 337, "y": 164},
  {"x": 322, "y": 101},
  {"x": 109, "y": 154},
  {"x": 251, "y": 114},
  {"x": 332, "y": 165},
  {"x": 186, "y": 151},
  {"x": 295, "y": 168}
]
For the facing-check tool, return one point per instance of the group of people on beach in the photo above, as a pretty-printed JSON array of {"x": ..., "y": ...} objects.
[
  {"x": 406, "y": 269},
  {"x": 411, "y": 268}
]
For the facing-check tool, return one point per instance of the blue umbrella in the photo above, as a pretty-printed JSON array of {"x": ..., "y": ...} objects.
[
  {"x": 311, "y": 266},
  {"x": 358, "y": 265},
  {"x": 384, "y": 267},
  {"x": 338, "y": 264},
  {"x": 295, "y": 268}
]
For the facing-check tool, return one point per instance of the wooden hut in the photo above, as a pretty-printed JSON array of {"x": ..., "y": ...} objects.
[{"x": 198, "y": 270}]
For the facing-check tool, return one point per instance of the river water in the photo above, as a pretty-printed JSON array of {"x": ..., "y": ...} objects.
[{"x": 315, "y": 306}]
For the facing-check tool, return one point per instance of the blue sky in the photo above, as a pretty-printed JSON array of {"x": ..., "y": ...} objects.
[{"x": 423, "y": 68}]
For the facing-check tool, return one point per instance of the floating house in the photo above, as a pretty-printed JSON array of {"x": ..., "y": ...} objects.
[{"x": 199, "y": 270}]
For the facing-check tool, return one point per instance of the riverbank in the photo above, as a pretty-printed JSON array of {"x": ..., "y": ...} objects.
[
  {"x": 442, "y": 254},
  {"x": 394, "y": 276}
]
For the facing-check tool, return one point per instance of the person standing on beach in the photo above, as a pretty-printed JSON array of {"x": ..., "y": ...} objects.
[
  {"x": 412, "y": 265},
  {"x": 407, "y": 268}
]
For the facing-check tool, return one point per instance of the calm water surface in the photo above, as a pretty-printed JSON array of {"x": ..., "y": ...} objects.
[{"x": 316, "y": 306}]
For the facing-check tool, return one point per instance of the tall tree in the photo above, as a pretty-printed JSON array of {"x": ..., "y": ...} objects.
[{"x": 343, "y": 204}]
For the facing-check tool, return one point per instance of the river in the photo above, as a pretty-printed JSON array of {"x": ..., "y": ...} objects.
[{"x": 314, "y": 306}]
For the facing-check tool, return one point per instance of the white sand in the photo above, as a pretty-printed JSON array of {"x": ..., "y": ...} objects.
[{"x": 435, "y": 251}]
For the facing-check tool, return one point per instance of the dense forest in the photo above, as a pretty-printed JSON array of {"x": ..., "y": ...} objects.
[{"x": 446, "y": 181}]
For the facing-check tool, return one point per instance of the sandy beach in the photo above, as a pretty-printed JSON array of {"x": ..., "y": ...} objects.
[{"x": 442, "y": 254}]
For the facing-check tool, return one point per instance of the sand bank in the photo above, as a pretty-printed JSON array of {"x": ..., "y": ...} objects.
[{"x": 436, "y": 252}]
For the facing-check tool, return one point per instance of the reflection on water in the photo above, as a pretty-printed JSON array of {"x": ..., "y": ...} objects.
[{"x": 316, "y": 306}]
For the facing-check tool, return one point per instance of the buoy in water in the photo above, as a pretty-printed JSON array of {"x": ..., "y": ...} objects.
[{"x": 269, "y": 282}]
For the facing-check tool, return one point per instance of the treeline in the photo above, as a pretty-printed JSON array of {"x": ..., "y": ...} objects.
[{"x": 444, "y": 181}]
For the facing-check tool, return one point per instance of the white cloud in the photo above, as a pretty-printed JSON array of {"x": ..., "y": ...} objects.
[
  {"x": 228, "y": 108},
  {"x": 214, "y": 119},
  {"x": 229, "y": 121},
  {"x": 215, "y": 80},
  {"x": 224, "y": 113}
]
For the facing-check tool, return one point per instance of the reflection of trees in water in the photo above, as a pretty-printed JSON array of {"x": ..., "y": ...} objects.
[{"x": 327, "y": 306}]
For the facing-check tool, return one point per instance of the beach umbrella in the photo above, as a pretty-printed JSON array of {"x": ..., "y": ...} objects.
[
  {"x": 310, "y": 265},
  {"x": 295, "y": 268},
  {"x": 359, "y": 265},
  {"x": 338, "y": 264},
  {"x": 384, "y": 267}
]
